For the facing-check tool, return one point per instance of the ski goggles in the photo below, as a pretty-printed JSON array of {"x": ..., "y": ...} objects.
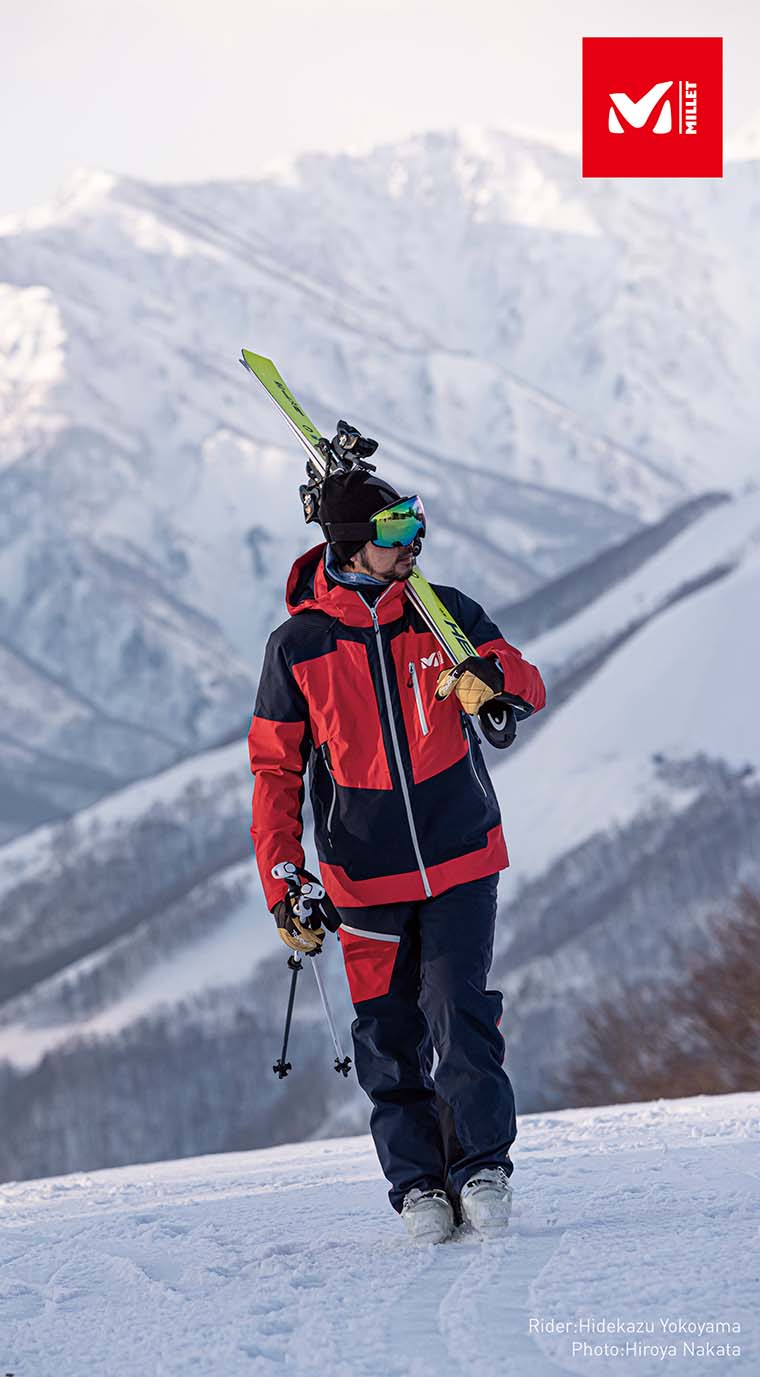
[{"x": 399, "y": 524}]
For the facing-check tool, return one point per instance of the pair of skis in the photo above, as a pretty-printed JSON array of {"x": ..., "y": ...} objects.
[{"x": 434, "y": 613}]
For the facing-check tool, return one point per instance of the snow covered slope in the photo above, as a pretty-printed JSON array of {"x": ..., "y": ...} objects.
[
  {"x": 724, "y": 539},
  {"x": 291, "y": 1259},
  {"x": 559, "y": 599},
  {"x": 118, "y": 863},
  {"x": 683, "y": 681}
]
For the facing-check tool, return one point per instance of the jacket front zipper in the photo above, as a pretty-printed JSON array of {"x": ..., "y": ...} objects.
[
  {"x": 416, "y": 686},
  {"x": 326, "y": 758},
  {"x": 394, "y": 737}
]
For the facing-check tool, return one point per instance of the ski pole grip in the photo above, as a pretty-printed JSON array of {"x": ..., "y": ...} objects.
[
  {"x": 287, "y": 870},
  {"x": 305, "y": 892}
]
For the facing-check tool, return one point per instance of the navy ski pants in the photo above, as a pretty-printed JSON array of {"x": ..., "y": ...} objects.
[{"x": 417, "y": 974}]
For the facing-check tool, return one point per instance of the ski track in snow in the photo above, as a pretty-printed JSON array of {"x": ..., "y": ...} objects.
[{"x": 290, "y": 1260}]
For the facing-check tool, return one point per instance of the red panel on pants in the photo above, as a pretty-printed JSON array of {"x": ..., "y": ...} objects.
[{"x": 369, "y": 963}]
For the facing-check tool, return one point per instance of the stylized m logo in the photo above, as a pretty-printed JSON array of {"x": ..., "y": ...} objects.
[
  {"x": 688, "y": 110},
  {"x": 428, "y": 660},
  {"x": 637, "y": 112}
]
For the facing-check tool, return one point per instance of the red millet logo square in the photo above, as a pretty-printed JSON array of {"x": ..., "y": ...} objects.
[{"x": 653, "y": 107}]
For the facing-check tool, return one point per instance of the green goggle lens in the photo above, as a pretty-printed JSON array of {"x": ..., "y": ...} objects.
[{"x": 399, "y": 524}]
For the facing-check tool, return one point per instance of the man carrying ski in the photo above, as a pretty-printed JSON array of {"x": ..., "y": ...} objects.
[{"x": 408, "y": 834}]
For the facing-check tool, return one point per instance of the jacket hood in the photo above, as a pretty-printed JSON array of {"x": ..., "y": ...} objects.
[{"x": 307, "y": 590}]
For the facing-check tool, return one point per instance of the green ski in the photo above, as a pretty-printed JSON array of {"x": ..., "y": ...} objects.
[{"x": 444, "y": 627}]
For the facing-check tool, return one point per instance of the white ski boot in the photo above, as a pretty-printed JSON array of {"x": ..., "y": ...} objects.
[
  {"x": 486, "y": 1200},
  {"x": 428, "y": 1215}
]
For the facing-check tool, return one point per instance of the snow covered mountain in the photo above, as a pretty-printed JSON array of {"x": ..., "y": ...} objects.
[
  {"x": 292, "y": 1260},
  {"x": 549, "y": 362},
  {"x": 557, "y": 364}
]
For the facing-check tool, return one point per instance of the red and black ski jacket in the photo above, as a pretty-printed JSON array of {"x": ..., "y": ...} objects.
[{"x": 403, "y": 804}]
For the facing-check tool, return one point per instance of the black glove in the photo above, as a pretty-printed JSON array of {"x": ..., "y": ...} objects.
[
  {"x": 307, "y": 933},
  {"x": 498, "y": 723}
]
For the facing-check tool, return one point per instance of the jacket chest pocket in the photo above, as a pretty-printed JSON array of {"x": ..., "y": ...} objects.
[
  {"x": 432, "y": 727},
  {"x": 344, "y": 713}
]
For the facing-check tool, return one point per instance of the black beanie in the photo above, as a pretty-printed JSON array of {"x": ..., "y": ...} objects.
[{"x": 352, "y": 496}]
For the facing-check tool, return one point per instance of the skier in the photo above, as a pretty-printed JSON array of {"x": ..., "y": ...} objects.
[{"x": 408, "y": 834}]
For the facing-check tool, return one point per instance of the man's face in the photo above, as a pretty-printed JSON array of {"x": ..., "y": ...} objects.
[{"x": 397, "y": 563}]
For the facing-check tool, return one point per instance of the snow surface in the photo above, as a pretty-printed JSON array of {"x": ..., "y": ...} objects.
[{"x": 291, "y": 1260}]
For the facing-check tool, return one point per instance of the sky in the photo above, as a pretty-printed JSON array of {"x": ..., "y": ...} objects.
[{"x": 186, "y": 90}]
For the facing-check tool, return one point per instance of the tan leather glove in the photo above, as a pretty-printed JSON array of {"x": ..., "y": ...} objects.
[
  {"x": 296, "y": 932},
  {"x": 476, "y": 680},
  {"x": 303, "y": 933}
]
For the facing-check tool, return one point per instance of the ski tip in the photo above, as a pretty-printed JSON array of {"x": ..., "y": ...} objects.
[{"x": 254, "y": 362}]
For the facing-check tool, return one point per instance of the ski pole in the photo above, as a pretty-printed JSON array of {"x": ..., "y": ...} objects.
[
  {"x": 342, "y": 1064},
  {"x": 282, "y": 1067},
  {"x": 304, "y": 894}
]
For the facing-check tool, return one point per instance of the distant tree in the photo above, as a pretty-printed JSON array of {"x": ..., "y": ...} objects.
[{"x": 699, "y": 1035}]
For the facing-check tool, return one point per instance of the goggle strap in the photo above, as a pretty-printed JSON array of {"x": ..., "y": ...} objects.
[{"x": 350, "y": 530}]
